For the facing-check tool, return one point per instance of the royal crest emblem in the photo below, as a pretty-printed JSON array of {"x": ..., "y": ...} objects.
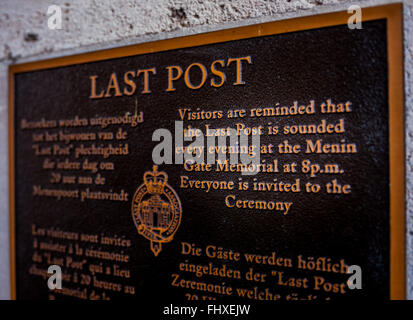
[{"x": 156, "y": 209}]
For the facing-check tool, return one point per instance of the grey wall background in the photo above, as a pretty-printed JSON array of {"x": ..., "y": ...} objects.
[{"x": 90, "y": 25}]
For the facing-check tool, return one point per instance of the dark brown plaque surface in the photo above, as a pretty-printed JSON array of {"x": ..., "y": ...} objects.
[{"x": 85, "y": 195}]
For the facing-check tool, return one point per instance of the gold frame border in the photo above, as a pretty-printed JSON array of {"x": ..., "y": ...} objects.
[{"x": 393, "y": 14}]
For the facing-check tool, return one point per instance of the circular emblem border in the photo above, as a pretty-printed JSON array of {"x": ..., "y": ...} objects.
[{"x": 146, "y": 232}]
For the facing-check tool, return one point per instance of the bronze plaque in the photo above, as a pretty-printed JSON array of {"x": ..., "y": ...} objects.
[{"x": 325, "y": 101}]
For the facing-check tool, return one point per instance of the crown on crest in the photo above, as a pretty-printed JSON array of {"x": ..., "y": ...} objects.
[{"x": 155, "y": 181}]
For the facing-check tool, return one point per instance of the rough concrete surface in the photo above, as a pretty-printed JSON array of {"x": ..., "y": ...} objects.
[
  {"x": 24, "y": 31},
  {"x": 94, "y": 24}
]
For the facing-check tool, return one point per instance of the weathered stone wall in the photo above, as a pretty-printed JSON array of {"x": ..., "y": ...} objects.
[{"x": 90, "y": 25}]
